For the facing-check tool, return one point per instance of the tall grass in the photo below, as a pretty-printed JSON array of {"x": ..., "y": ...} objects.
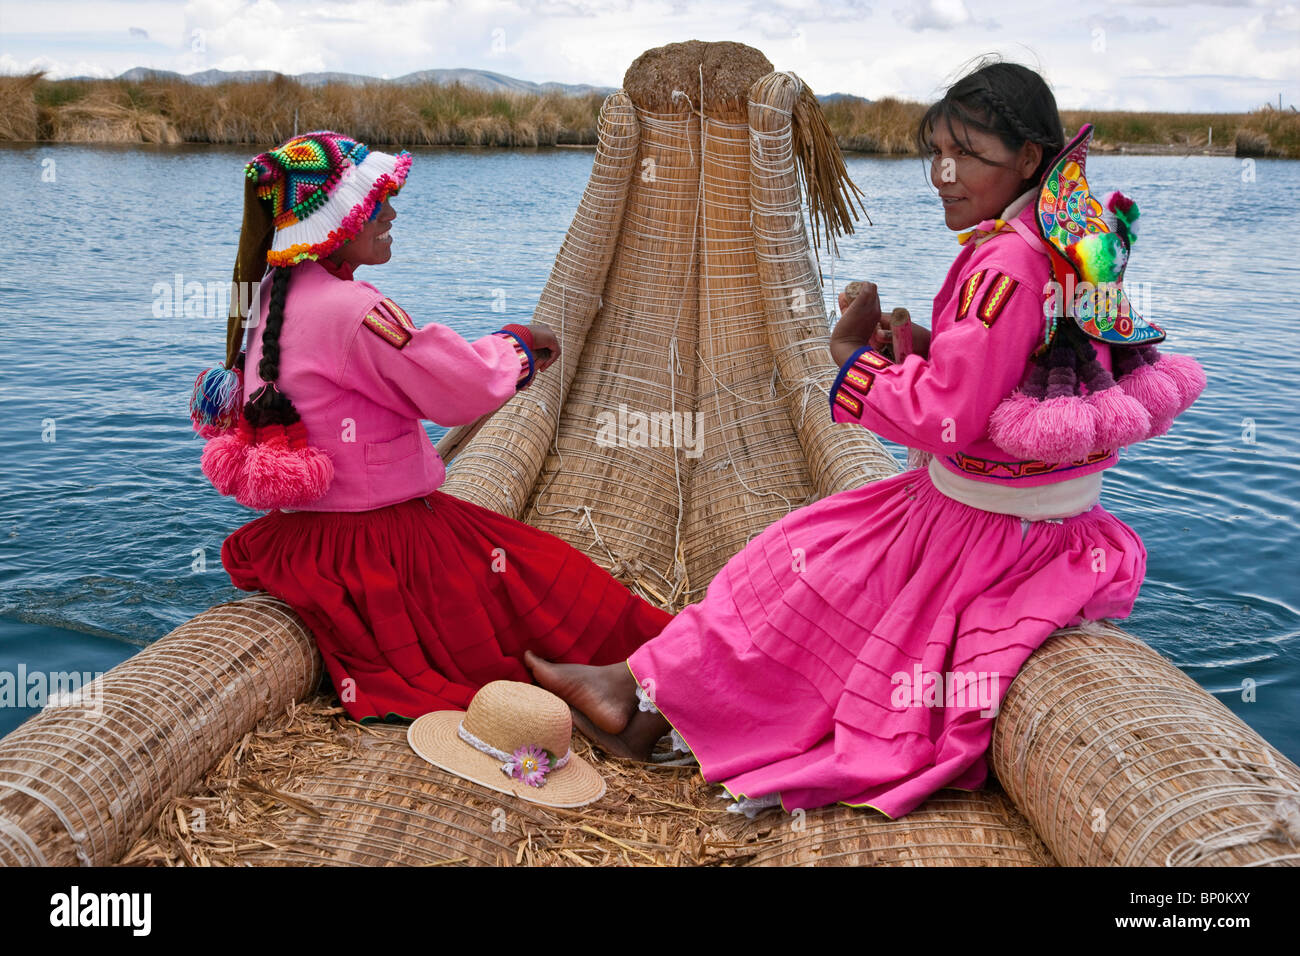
[
  {"x": 267, "y": 112},
  {"x": 431, "y": 114}
]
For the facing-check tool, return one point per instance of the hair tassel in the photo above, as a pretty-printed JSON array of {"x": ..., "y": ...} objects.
[{"x": 216, "y": 399}]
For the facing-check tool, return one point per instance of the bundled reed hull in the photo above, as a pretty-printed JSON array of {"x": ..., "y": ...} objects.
[
  {"x": 78, "y": 784},
  {"x": 499, "y": 470},
  {"x": 1119, "y": 758}
]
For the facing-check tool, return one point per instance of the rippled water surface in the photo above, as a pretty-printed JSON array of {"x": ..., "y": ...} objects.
[{"x": 111, "y": 535}]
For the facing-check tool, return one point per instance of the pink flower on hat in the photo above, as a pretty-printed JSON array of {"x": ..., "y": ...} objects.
[{"x": 529, "y": 764}]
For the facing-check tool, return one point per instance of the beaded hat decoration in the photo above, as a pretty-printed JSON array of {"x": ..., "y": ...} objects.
[
  {"x": 1070, "y": 408},
  {"x": 1089, "y": 245},
  {"x": 302, "y": 200}
]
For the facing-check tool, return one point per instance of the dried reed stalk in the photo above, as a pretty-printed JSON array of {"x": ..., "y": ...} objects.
[
  {"x": 830, "y": 192},
  {"x": 313, "y": 788}
]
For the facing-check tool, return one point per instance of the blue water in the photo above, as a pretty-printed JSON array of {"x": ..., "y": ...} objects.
[{"x": 111, "y": 536}]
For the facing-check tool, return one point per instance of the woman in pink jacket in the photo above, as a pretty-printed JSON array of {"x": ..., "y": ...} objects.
[
  {"x": 415, "y": 598},
  {"x": 857, "y": 650}
]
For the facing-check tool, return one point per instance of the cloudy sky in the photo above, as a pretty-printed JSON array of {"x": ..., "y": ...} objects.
[{"x": 1159, "y": 54}]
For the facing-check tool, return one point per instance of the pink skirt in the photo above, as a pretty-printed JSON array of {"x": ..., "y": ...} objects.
[{"x": 856, "y": 651}]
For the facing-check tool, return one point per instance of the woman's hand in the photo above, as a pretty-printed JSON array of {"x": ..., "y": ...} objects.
[
  {"x": 880, "y": 337},
  {"x": 920, "y": 339},
  {"x": 546, "y": 347},
  {"x": 859, "y": 319}
]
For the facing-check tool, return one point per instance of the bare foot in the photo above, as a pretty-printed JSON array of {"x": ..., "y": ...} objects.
[
  {"x": 605, "y": 695},
  {"x": 635, "y": 743}
]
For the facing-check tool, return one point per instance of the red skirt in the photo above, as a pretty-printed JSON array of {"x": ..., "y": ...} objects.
[{"x": 417, "y": 605}]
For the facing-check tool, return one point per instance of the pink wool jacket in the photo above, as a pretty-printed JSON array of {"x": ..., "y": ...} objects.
[
  {"x": 988, "y": 318},
  {"x": 362, "y": 376}
]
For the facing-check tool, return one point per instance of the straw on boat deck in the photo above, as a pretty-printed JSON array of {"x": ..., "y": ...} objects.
[{"x": 686, "y": 283}]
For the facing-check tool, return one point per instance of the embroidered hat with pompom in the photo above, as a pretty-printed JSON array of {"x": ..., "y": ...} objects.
[{"x": 1070, "y": 408}]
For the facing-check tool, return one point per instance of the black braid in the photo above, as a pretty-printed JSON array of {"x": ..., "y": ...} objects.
[
  {"x": 1004, "y": 109},
  {"x": 268, "y": 405}
]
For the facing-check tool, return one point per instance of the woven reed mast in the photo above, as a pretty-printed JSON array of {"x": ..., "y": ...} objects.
[{"x": 691, "y": 299}]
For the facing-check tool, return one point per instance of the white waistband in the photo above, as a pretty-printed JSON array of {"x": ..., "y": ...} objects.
[{"x": 1060, "y": 499}]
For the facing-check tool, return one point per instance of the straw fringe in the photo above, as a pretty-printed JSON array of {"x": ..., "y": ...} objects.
[{"x": 830, "y": 192}]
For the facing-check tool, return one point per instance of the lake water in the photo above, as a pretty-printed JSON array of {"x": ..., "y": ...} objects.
[{"x": 103, "y": 528}]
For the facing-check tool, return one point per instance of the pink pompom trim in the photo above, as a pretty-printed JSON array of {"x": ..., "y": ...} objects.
[
  {"x": 1156, "y": 391},
  {"x": 267, "y": 468},
  {"x": 223, "y": 459},
  {"x": 1052, "y": 430},
  {"x": 1121, "y": 419},
  {"x": 1186, "y": 374}
]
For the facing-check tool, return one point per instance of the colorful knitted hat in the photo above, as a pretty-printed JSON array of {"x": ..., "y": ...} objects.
[
  {"x": 1070, "y": 408},
  {"x": 321, "y": 188},
  {"x": 302, "y": 200}
]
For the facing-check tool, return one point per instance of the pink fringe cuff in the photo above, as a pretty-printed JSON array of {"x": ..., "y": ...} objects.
[
  {"x": 1121, "y": 419},
  {"x": 1155, "y": 391},
  {"x": 1187, "y": 375},
  {"x": 1053, "y": 430}
]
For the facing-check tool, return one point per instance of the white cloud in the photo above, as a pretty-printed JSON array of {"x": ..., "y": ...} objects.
[
  {"x": 1152, "y": 59},
  {"x": 935, "y": 15},
  {"x": 1252, "y": 49},
  {"x": 54, "y": 67}
]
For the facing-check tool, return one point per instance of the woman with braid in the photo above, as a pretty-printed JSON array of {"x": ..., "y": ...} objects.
[
  {"x": 415, "y": 598},
  {"x": 857, "y": 650}
]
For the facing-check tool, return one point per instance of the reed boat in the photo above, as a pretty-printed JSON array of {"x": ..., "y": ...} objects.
[{"x": 687, "y": 283}]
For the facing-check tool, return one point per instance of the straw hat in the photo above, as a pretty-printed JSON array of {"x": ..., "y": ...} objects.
[{"x": 515, "y": 739}]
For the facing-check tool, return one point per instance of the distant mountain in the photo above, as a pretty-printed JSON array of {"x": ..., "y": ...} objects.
[
  {"x": 836, "y": 97},
  {"x": 486, "y": 80},
  {"x": 478, "y": 79}
]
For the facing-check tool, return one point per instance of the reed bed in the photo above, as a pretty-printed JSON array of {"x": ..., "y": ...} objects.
[
  {"x": 268, "y": 112},
  {"x": 33, "y": 109},
  {"x": 312, "y": 788}
]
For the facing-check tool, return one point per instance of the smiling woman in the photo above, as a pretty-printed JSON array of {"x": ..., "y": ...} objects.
[
  {"x": 983, "y": 152},
  {"x": 373, "y": 245}
]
